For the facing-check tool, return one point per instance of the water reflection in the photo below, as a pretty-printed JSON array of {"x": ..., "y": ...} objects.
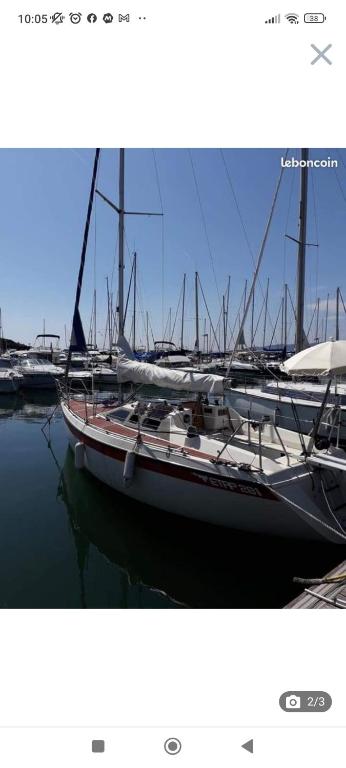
[
  {"x": 194, "y": 564},
  {"x": 67, "y": 540}
]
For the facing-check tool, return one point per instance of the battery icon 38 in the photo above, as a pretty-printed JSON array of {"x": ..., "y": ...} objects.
[{"x": 314, "y": 18}]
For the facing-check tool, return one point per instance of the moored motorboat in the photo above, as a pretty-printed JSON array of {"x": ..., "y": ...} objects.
[
  {"x": 10, "y": 379},
  {"x": 38, "y": 375}
]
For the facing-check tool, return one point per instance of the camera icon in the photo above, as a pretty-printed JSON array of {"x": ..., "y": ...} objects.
[{"x": 293, "y": 701}]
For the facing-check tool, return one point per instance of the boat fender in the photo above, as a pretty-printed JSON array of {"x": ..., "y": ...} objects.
[
  {"x": 79, "y": 455},
  {"x": 129, "y": 468}
]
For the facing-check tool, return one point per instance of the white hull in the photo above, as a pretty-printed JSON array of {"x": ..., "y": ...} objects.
[{"x": 202, "y": 491}]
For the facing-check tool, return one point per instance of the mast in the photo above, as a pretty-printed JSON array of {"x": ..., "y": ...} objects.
[
  {"x": 245, "y": 295},
  {"x": 147, "y": 330},
  {"x": 77, "y": 336},
  {"x": 121, "y": 239},
  {"x": 282, "y": 320},
  {"x": 252, "y": 317},
  {"x": 134, "y": 299},
  {"x": 182, "y": 314},
  {"x": 227, "y": 309},
  {"x": 224, "y": 325},
  {"x": 285, "y": 321},
  {"x": 326, "y": 325},
  {"x": 95, "y": 335},
  {"x": 196, "y": 302},
  {"x": 299, "y": 342},
  {"x": 110, "y": 334},
  {"x": 337, "y": 313},
  {"x": 317, "y": 319},
  {"x": 265, "y": 314}
]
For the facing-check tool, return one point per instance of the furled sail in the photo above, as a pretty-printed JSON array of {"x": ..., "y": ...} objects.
[{"x": 147, "y": 373}]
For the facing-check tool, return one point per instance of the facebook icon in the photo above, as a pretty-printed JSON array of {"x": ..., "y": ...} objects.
[{"x": 92, "y": 18}]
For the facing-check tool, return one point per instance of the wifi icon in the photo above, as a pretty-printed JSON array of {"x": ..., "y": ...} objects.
[{"x": 293, "y": 18}]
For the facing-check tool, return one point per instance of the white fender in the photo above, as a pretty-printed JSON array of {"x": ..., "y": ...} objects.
[
  {"x": 79, "y": 450},
  {"x": 129, "y": 467}
]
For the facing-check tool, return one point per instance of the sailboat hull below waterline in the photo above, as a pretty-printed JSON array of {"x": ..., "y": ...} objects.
[{"x": 217, "y": 494}]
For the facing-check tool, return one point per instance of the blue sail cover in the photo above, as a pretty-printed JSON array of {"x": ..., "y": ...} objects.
[{"x": 77, "y": 343}]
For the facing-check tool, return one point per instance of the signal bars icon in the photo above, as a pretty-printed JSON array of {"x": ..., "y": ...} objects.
[{"x": 274, "y": 20}]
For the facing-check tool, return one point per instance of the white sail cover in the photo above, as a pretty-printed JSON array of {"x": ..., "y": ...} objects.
[{"x": 148, "y": 373}]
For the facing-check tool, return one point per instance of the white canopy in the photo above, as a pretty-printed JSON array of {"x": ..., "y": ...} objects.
[
  {"x": 321, "y": 360},
  {"x": 147, "y": 373}
]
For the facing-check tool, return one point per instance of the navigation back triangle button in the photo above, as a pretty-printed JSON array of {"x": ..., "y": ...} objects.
[{"x": 248, "y": 746}]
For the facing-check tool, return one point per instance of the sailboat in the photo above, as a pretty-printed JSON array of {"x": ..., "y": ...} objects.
[
  {"x": 199, "y": 458},
  {"x": 295, "y": 404}
]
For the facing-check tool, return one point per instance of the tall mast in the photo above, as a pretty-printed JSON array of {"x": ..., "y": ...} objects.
[
  {"x": 196, "y": 301},
  {"x": 134, "y": 299},
  {"x": 265, "y": 314},
  {"x": 337, "y": 313},
  {"x": 183, "y": 314},
  {"x": 77, "y": 336},
  {"x": 301, "y": 252},
  {"x": 121, "y": 239}
]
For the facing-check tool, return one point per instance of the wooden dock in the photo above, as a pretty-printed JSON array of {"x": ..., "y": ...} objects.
[{"x": 327, "y": 592}]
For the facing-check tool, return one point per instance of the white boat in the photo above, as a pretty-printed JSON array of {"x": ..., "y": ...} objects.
[
  {"x": 173, "y": 361},
  {"x": 238, "y": 474},
  {"x": 10, "y": 380},
  {"x": 46, "y": 348},
  {"x": 101, "y": 374},
  {"x": 293, "y": 405},
  {"x": 38, "y": 375},
  {"x": 200, "y": 459}
]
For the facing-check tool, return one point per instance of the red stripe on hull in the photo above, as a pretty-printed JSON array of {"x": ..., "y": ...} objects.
[{"x": 187, "y": 474}]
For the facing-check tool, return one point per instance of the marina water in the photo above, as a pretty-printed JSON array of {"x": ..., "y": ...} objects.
[{"x": 68, "y": 541}]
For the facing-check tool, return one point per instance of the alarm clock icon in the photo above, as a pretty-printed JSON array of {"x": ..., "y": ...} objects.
[{"x": 75, "y": 17}]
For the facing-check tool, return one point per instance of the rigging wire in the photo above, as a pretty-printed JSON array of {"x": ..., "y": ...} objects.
[
  {"x": 314, "y": 201},
  {"x": 242, "y": 223},
  {"x": 286, "y": 227},
  {"x": 162, "y": 240},
  {"x": 176, "y": 313},
  {"x": 204, "y": 225}
]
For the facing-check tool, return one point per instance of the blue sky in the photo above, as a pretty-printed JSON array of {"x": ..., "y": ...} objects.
[{"x": 43, "y": 203}]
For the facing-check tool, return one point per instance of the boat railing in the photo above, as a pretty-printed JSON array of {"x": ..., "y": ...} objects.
[
  {"x": 256, "y": 424},
  {"x": 68, "y": 391}
]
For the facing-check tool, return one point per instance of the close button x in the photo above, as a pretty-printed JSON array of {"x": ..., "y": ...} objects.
[{"x": 321, "y": 54}]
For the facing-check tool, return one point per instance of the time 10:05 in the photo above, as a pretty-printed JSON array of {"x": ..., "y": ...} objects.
[{"x": 39, "y": 18}]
